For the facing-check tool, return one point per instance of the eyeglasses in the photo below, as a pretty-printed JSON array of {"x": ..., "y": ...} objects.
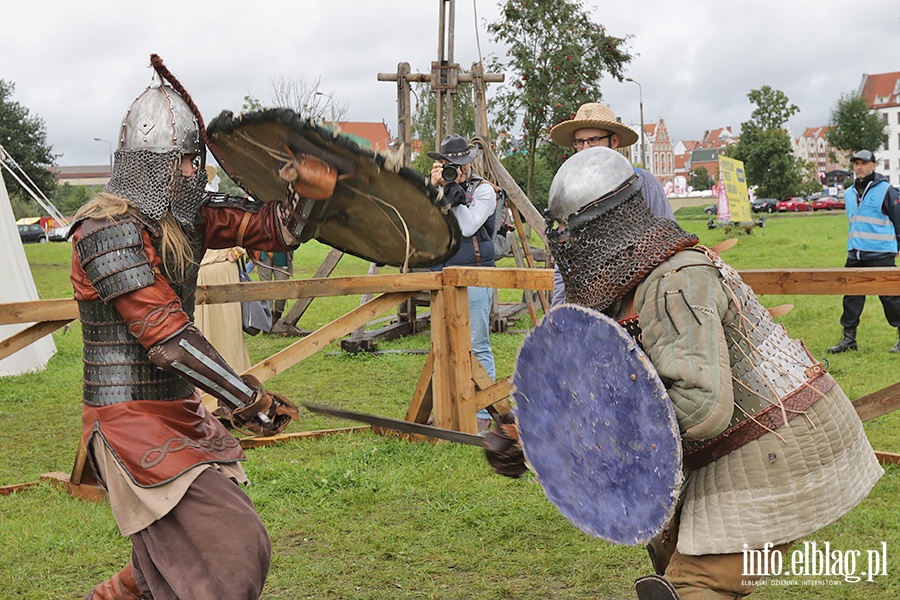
[{"x": 591, "y": 141}]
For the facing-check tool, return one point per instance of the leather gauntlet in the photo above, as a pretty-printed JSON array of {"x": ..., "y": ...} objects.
[{"x": 502, "y": 448}]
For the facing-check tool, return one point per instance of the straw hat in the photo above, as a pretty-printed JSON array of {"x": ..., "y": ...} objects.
[{"x": 592, "y": 115}]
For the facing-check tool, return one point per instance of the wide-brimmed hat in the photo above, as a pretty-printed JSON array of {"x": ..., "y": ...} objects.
[
  {"x": 455, "y": 149},
  {"x": 592, "y": 115}
]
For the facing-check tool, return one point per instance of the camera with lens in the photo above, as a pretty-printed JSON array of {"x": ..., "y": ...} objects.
[{"x": 450, "y": 172}]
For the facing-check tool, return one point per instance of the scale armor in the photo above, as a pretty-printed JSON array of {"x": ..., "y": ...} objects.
[
  {"x": 116, "y": 365},
  {"x": 774, "y": 376}
]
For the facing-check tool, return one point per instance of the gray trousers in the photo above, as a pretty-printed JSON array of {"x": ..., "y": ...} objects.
[{"x": 211, "y": 546}]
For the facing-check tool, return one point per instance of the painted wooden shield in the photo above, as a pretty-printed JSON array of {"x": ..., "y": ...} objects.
[
  {"x": 383, "y": 213},
  {"x": 597, "y": 426}
]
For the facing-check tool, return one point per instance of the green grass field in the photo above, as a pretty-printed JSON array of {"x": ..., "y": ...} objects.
[{"x": 360, "y": 516}]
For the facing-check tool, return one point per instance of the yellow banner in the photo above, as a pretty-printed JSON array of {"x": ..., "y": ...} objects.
[{"x": 731, "y": 172}]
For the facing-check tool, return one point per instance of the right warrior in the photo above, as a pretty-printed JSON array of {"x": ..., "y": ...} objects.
[{"x": 773, "y": 449}]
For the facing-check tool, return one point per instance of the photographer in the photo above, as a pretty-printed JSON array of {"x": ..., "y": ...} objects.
[{"x": 473, "y": 200}]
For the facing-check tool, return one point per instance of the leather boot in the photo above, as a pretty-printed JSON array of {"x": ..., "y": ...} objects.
[
  {"x": 848, "y": 343},
  {"x": 120, "y": 586},
  {"x": 896, "y": 349},
  {"x": 654, "y": 587}
]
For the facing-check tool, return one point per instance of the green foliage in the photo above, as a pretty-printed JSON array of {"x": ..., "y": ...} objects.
[
  {"x": 516, "y": 164},
  {"x": 69, "y": 198},
  {"x": 228, "y": 186},
  {"x": 700, "y": 179},
  {"x": 765, "y": 146},
  {"x": 558, "y": 56},
  {"x": 424, "y": 120},
  {"x": 852, "y": 126},
  {"x": 251, "y": 104},
  {"x": 773, "y": 109},
  {"x": 25, "y": 138}
]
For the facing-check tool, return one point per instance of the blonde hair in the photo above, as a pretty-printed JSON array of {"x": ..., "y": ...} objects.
[{"x": 175, "y": 249}]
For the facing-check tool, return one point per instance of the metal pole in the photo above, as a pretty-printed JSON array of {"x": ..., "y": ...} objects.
[
  {"x": 330, "y": 104},
  {"x": 643, "y": 142},
  {"x": 110, "y": 153}
]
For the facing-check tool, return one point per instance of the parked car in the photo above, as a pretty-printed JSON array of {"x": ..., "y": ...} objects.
[
  {"x": 828, "y": 203},
  {"x": 768, "y": 205},
  {"x": 793, "y": 204},
  {"x": 712, "y": 210},
  {"x": 32, "y": 233},
  {"x": 58, "y": 234}
]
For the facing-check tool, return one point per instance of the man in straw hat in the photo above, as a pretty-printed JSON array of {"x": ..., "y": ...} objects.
[
  {"x": 474, "y": 202},
  {"x": 595, "y": 125}
]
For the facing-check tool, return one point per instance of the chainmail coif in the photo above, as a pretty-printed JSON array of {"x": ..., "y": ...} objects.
[
  {"x": 152, "y": 182},
  {"x": 604, "y": 257}
]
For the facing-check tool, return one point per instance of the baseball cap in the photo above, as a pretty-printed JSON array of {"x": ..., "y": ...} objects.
[{"x": 863, "y": 155}]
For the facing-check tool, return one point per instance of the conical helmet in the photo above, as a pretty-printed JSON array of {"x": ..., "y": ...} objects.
[{"x": 159, "y": 120}]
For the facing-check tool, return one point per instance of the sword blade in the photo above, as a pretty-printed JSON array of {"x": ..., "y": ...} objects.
[{"x": 398, "y": 424}]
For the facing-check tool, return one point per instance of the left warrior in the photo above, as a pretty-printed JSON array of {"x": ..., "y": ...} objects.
[{"x": 171, "y": 469}]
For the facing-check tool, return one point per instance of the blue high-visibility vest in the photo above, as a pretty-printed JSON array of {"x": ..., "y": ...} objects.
[{"x": 870, "y": 229}]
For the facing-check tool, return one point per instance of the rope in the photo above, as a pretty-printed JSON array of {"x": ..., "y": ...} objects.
[
  {"x": 477, "y": 39},
  {"x": 406, "y": 236},
  {"x": 157, "y": 63}
]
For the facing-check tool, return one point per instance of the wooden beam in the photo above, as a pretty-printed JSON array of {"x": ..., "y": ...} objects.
[
  {"x": 259, "y": 442},
  {"x": 426, "y": 77},
  {"x": 314, "y": 288},
  {"x": 494, "y": 394},
  {"x": 325, "y": 335},
  {"x": 888, "y": 458},
  {"x": 490, "y": 392},
  {"x": 878, "y": 281},
  {"x": 325, "y": 269},
  {"x": 462, "y": 387},
  {"x": 422, "y": 401},
  {"x": 35, "y": 311},
  {"x": 442, "y": 400},
  {"x": 28, "y": 336},
  {"x": 878, "y": 403},
  {"x": 492, "y": 277}
]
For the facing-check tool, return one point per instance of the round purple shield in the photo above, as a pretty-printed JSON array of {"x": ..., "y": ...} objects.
[{"x": 597, "y": 426}]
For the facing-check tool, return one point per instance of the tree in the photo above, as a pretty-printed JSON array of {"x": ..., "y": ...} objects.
[
  {"x": 303, "y": 97},
  {"x": 773, "y": 109},
  {"x": 852, "y": 126},
  {"x": 700, "y": 179},
  {"x": 307, "y": 99},
  {"x": 25, "y": 138},
  {"x": 68, "y": 198},
  {"x": 558, "y": 56},
  {"x": 425, "y": 115},
  {"x": 516, "y": 164},
  {"x": 765, "y": 146}
]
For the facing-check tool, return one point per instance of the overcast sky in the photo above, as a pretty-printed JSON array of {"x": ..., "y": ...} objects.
[{"x": 78, "y": 65}]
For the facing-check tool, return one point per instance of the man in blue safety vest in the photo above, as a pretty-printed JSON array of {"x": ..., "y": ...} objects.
[{"x": 873, "y": 209}]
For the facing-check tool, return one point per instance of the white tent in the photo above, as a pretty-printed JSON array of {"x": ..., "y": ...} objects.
[{"x": 17, "y": 285}]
